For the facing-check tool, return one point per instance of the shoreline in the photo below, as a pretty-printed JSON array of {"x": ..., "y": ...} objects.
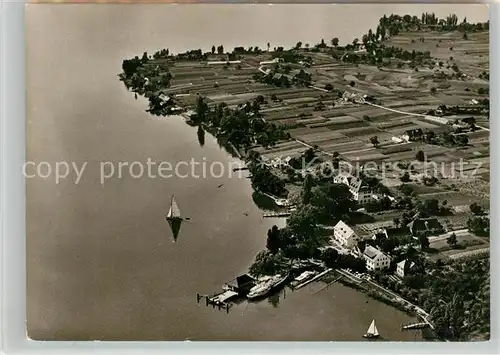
[{"x": 205, "y": 113}]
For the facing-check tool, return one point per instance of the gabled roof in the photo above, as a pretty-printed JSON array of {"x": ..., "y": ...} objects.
[
  {"x": 344, "y": 229},
  {"x": 433, "y": 223},
  {"x": 372, "y": 253},
  {"x": 396, "y": 232},
  {"x": 424, "y": 224},
  {"x": 241, "y": 280},
  {"x": 403, "y": 263},
  {"x": 353, "y": 182}
]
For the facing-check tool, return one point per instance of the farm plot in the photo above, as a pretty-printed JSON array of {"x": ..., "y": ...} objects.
[
  {"x": 357, "y": 132},
  {"x": 364, "y": 156},
  {"x": 303, "y": 131},
  {"x": 336, "y": 126},
  {"x": 465, "y": 239},
  {"x": 453, "y": 198},
  {"x": 314, "y": 136},
  {"x": 348, "y": 146},
  {"x": 299, "y": 100}
]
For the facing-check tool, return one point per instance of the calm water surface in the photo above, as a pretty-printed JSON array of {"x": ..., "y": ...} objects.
[{"x": 101, "y": 262}]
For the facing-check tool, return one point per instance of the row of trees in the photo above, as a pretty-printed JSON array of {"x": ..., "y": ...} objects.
[{"x": 242, "y": 126}]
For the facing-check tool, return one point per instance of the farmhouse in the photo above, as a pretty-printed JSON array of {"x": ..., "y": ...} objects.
[
  {"x": 375, "y": 259},
  {"x": 425, "y": 225},
  {"x": 413, "y": 134},
  {"x": 391, "y": 233},
  {"x": 402, "y": 268},
  {"x": 345, "y": 235},
  {"x": 361, "y": 194}
]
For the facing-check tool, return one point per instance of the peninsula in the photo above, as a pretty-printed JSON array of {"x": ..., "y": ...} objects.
[{"x": 380, "y": 145}]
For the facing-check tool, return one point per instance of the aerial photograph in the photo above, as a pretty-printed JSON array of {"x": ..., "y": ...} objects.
[{"x": 258, "y": 172}]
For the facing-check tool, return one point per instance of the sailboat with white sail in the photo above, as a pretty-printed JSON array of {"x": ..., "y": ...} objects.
[
  {"x": 372, "y": 331},
  {"x": 174, "y": 218}
]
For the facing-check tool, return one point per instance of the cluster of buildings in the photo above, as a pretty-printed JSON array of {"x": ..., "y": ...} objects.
[
  {"x": 360, "y": 193},
  {"x": 347, "y": 241}
]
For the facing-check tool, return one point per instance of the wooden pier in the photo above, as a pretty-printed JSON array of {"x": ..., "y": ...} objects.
[
  {"x": 313, "y": 279},
  {"x": 218, "y": 300},
  {"x": 276, "y": 214},
  {"x": 415, "y": 325}
]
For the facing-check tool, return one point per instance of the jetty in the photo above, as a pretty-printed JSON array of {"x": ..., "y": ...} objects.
[
  {"x": 276, "y": 214},
  {"x": 415, "y": 325},
  {"x": 313, "y": 279},
  {"x": 219, "y": 300},
  {"x": 237, "y": 287},
  {"x": 281, "y": 202}
]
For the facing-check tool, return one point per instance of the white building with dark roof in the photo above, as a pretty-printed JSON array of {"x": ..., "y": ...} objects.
[
  {"x": 360, "y": 193},
  {"x": 375, "y": 259},
  {"x": 345, "y": 235},
  {"x": 400, "y": 268}
]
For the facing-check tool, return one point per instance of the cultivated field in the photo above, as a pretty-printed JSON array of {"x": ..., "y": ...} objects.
[{"x": 404, "y": 96}]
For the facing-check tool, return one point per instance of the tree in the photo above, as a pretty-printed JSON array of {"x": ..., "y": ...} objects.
[
  {"x": 266, "y": 263},
  {"x": 433, "y": 90},
  {"x": 330, "y": 256},
  {"x": 329, "y": 87},
  {"x": 479, "y": 225},
  {"x": 420, "y": 156},
  {"x": 268, "y": 46},
  {"x": 302, "y": 223},
  {"x": 374, "y": 141},
  {"x": 471, "y": 121},
  {"x": 452, "y": 240},
  {"x": 430, "y": 206},
  {"x": 406, "y": 189},
  {"x": 396, "y": 222},
  {"x": 461, "y": 140},
  {"x": 476, "y": 209},
  {"x": 424, "y": 241},
  {"x": 405, "y": 177},
  {"x": 213, "y": 49},
  {"x": 306, "y": 189},
  {"x": 298, "y": 45},
  {"x": 335, "y": 41},
  {"x": 273, "y": 239}
]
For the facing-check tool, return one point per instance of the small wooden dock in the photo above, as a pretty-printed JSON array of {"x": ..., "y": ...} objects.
[
  {"x": 276, "y": 214},
  {"x": 415, "y": 325},
  {"x": 313, "y": 279},
  {"x": 218, "y": 300}
]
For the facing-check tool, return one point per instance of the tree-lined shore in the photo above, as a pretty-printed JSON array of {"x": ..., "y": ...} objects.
[{"x": 456, "y": 294}]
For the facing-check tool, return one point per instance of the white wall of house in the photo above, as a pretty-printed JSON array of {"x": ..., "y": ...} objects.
[
  {"x": 400, "y": 270},
  {"x": 345, "y": 235},
  {"x": 381, "y": 261}
]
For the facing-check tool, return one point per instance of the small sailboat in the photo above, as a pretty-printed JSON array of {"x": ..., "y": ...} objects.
[
  {"x": 372, "y": 331},
  {"x": 174, "y": 218}
]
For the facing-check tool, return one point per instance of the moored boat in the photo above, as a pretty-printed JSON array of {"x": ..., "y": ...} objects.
[
  {"x": 266, "y": 286},
  {"x": 306, "y": 275}
]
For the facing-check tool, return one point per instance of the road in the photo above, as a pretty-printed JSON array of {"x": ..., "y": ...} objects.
[
  {"x": 446, "y": 235},
  {"x": 412, "y": 113}
]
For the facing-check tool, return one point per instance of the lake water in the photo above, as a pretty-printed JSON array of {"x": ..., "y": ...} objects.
[{"x": 101, "y": 261}]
